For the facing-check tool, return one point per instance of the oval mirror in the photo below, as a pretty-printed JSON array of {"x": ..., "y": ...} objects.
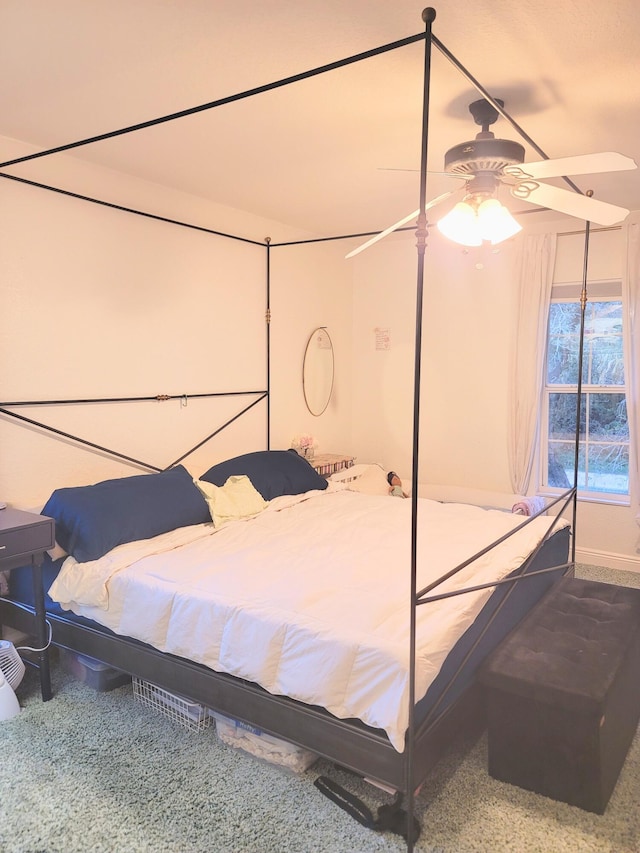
[{"x": 317, "y": 371}]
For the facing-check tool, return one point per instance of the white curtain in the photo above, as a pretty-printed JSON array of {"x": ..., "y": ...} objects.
[
  {"x": 631, "y": 301},
  {"x": 526, "y": 376}
]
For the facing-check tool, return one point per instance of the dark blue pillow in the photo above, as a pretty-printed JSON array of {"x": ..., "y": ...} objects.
[
  {"x": 272, "y": 472},
  {"x": 91, "y": 520}
]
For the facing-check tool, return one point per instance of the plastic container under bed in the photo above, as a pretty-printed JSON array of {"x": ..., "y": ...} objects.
[
  {"x": 93, "y": 672},
  {"x": 262, "y": 745}
]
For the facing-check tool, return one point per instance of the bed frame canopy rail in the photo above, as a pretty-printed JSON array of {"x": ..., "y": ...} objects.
[
  {"x": 6, "y": 408},
  {"x": 349, "y": 742}
]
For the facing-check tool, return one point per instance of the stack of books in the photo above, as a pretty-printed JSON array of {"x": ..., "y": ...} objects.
[{"x": 328, "y": 463}]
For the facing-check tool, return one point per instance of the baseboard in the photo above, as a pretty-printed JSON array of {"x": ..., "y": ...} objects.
[{"x": 593, "y": 557}]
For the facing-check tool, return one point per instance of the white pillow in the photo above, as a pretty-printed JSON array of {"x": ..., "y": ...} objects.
[
  {"x": 372, "y": 481},
  {"x": 237, "y": 499}
]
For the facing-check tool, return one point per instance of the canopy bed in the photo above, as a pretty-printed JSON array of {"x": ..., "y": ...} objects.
[
  {"x": 234, "y": 615},
  {"x": 390, "y": 736}
]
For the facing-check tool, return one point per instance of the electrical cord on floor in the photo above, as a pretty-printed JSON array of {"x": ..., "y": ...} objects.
[{"x": 29, "y": 610}]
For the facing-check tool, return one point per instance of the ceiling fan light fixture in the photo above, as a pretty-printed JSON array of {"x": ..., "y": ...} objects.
[
  {"x": 469, "y": 224},
  {"x": 495, "y": 222},
  {"x": 461, "y": 225}
]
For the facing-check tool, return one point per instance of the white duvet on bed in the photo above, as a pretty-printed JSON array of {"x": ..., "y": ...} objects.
[{"x": 309, "y": 599}]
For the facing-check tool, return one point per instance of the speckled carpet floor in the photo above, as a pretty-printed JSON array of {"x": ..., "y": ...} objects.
[{"x": 101, "y": 772}]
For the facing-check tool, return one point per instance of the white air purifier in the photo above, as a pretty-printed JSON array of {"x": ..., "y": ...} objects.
[
  {"x": 11, "y": 664},
  {"x": 11, "y": 674},
  {"x": 9, "y": 706}
]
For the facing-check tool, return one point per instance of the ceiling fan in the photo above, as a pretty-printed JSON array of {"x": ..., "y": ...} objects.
[{"x": 486, "y": 162}]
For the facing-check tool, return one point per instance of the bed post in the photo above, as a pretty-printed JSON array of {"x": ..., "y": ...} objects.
[
  {"x": 428, "y": 16},
  {"x": 576, "y": 450},
  {"x": 267, "y": 316}
]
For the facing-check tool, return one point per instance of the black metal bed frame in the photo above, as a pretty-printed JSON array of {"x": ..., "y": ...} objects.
[{"x": 370, "y": 752}]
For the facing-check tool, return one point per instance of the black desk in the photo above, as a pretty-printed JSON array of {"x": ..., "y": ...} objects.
[{"x": 24, "y": 538}]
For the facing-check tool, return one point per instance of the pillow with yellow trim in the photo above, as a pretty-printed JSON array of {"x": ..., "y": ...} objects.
[{"x": 236, "y": 500}]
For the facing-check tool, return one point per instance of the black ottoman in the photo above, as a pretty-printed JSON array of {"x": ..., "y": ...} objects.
[{"x": 563, "y": 693}]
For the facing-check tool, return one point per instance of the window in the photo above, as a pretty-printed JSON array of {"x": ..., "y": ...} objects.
[{"x": 603, "y": 458}]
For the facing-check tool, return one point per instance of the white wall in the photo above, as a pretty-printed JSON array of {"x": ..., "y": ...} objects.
[
  {"x": 466, "y": 298},
  {"x": 102, "y": 303},
  {"x": 468, "y": 319},
  {"x": 312, "y": 288}
]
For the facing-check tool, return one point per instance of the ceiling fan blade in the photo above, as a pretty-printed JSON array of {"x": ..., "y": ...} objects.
[
  {"x": 581, "y": 164},
  {"x": 429, "y": 172},
  {"x": 399, "y": 224},
  {"x": 571, "y": 203}
]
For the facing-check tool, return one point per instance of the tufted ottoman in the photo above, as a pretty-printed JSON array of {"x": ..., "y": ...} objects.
[{"x": 563, "y": 693}]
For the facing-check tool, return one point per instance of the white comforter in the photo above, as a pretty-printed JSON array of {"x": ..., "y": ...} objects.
[{"x": 309, "y": 599}]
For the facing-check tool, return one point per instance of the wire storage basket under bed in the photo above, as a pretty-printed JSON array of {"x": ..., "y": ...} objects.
[{"x": 188, "y": 714}]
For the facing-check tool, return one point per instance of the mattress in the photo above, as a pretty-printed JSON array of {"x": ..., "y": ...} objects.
[{"x": 309, "y": 599}]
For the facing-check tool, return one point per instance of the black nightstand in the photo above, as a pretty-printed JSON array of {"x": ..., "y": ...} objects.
[{"x": 24, "y": 538}]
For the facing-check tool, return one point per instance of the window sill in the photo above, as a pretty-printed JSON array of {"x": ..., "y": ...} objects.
[{"x": 609, "y": 500}]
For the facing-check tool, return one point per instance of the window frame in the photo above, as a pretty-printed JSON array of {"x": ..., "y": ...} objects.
[{"x": 604, "y": 291}]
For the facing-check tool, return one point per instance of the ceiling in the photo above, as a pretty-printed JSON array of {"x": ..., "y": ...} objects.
[{"x": 336, "y": 153}]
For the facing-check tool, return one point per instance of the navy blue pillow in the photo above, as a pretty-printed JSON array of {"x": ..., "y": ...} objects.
[
  {"x": 91, "y": 520},
  {"x": 272, "y": 472}
]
